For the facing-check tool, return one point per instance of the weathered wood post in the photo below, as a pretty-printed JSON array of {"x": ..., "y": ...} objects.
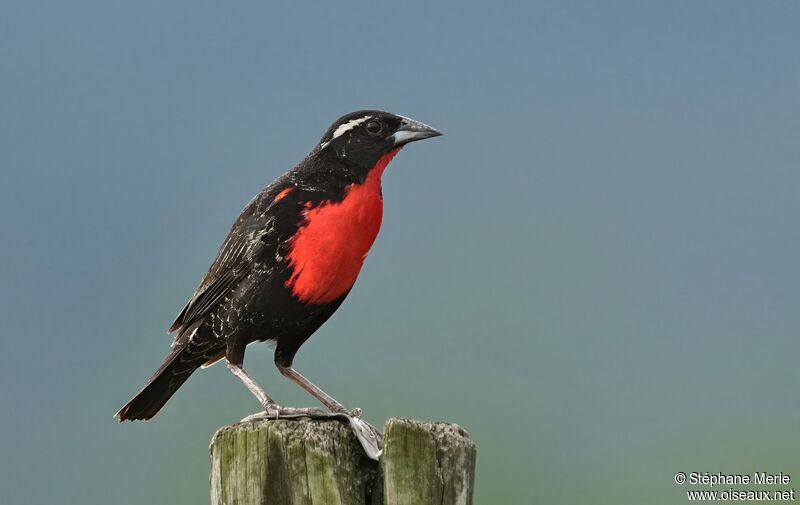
[{"x": 293, "y": 462}]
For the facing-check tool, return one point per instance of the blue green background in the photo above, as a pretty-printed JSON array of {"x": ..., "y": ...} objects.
[{"x": 594, "y": 271}]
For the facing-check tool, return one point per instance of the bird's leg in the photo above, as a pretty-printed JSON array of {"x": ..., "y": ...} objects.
[
  {"x": 270, "y": 407},
  {"x": 369, "y": 437},
  {"x": 263, "y": 398},
  {"x": 316, "y": 392}
]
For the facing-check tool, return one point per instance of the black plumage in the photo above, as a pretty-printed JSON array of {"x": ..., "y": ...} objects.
[{"x": 266, "y": 282}]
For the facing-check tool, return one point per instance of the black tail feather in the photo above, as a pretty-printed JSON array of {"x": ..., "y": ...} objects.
[{"x": 177, "y": 367}]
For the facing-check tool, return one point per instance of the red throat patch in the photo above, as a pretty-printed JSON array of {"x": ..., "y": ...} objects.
[{"x": 327, "y": 252}]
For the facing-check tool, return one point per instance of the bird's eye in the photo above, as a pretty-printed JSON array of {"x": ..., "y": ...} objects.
[{"x": 374, "y": 127}]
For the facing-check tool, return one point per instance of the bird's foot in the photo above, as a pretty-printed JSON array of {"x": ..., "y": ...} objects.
[
  {"x": 274, "y": 411},
  {"x": 368, "y": 436},
  {"x": 341, "y": 411},
  {"x": 277, "y": 411}
]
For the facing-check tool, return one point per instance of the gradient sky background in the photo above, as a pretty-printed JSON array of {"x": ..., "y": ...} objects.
[{"x": 594, "y": 271}]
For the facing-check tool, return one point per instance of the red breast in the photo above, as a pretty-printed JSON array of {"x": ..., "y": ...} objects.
[{"x": 327, "y": 252}]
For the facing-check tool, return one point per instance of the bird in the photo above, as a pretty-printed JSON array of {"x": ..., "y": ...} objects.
[{"x": 287, "y": 264}]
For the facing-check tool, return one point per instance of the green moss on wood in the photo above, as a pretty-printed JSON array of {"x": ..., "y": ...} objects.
[
  {"x": 425, "y": 463},
  {"x": 293, "y": 462}
]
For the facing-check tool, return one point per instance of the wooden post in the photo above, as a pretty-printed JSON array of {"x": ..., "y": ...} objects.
[
  {"x": 427, "y": 463},
  {"x": 293, "y": 462}
]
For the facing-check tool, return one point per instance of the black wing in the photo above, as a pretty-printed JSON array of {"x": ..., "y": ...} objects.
[{"x": 234, "y": 260}]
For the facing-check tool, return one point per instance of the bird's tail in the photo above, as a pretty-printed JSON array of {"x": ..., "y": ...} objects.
[{"x": 177, "y": 367}]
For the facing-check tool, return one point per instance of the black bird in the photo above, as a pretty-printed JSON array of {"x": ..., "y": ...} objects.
[{"x": 289, "y": 261}]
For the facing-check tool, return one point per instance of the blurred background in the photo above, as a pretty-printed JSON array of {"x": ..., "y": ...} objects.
[{"x": 594, "y": 271}]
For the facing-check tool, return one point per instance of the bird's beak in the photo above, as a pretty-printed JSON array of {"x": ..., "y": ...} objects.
[{"x": 411, "y": 130}]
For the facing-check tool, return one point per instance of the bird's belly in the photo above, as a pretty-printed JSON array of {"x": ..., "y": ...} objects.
[{"x": 327, "y": 252}]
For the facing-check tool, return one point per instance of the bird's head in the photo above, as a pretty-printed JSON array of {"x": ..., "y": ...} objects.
[{"x": 365, "y": 136}]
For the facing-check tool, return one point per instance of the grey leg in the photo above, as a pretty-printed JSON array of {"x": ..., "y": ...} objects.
[
  {"x": 263, "y": 398},
  {"x": 367, "y": 435},
  {"x": 326, "y": 399},
  {"x": 270, "y": 407}
]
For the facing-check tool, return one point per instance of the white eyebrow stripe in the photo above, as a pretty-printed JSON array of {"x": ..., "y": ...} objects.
[{"x": 343, "y": 128}]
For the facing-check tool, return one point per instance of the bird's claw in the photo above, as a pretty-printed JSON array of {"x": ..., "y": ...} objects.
[
  {"x": 274, "y": 412},
  {"x": 271, "y": 410},
  {"x": 369, "y": 437}
]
